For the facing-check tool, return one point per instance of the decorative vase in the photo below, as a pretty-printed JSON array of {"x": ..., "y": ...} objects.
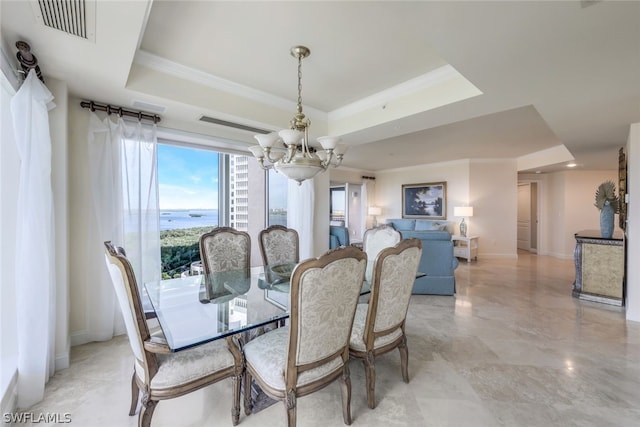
[{"x": 606, "y": 220}]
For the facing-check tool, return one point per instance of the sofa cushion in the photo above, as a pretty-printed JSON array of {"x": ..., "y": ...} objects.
[
  {"x": 429, "y": 225},
  {"x": 402, "y": 224},
  {"x": 426, "y": 235}
]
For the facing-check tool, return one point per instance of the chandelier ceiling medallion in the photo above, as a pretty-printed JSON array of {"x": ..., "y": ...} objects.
[{"x": 288, "y": 151}]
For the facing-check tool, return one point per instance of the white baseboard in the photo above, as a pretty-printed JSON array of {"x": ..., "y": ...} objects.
[
  {"x": 62, "y": 361},
  {"x": 10, "y": 397},
  {"x": 79, "y": 338}
]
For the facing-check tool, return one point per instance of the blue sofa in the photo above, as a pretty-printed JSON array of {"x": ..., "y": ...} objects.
[
  {"x": 437, "y": 259},
  {"x": 338, "y": 236}
]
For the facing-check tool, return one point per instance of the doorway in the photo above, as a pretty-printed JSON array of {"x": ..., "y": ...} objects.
[{"x": 527, "y": 234}]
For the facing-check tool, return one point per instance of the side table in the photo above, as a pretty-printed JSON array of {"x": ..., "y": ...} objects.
[{"x": 465, "y": 247}]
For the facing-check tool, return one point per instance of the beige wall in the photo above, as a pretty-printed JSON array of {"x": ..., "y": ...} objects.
[
  {"x": 79, "y": 216},
  {"x": 493, "y": 193},
  {"x": 633, "y": 224},
  {"x": 388, "y": 187},
  {"x": 566, "y": 207},
  {"x": 489, "y": 186}
]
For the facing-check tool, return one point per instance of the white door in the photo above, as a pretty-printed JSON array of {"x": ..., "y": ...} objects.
[{"x": 524, "y": 216}]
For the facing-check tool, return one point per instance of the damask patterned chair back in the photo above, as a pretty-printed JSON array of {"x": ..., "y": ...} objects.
[
  {"x": 379, "y": 325},
  {"x": 279, "y": 244},
  {"x": 324, "y": 293},
  {"x": 225, "y": 249},
  {"x": 375, "y": 240}
]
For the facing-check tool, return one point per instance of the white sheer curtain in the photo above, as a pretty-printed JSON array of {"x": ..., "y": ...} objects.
[
  {"x": 368, "y": 190},
  {"x": 364, "y": 208},
  {"x": 122, "y": 159},
  {"x": 300, "y": 208},
  {"x": 35, "y": 262}
]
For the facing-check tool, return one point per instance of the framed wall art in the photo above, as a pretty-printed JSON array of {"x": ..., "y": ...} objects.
[{"x": 425, "y": 200}]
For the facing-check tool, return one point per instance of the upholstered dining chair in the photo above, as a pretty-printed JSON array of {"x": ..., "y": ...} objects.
[
  {"x": 159, "y": 373},
  {"x": 378, "y": 326},
  {"x": 279, "y": 244},
  {"x": 225, "y": 249},
  {"x": 375, "y": 240},
  {"x": 313, "y": 349}
]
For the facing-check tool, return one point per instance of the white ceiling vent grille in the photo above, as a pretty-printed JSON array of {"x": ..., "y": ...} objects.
[
  {"x": 233, "y": 125},
  {"x": 74, "y": 17}
]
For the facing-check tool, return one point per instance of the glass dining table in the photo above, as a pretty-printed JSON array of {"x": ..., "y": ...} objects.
[{"x": 193, "y": 310}]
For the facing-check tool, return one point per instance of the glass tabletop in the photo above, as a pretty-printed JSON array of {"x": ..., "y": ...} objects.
[{"x": 193, "y": 310}]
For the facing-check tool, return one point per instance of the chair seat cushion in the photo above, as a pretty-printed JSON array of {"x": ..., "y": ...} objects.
[
  {"x": 189, "y": 365},
  {"x": 267, "y": 355},
  {"x": 357, "y": 333}
]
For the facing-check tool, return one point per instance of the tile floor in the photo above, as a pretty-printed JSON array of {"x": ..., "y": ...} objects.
[{"x": 512, "y": 348}]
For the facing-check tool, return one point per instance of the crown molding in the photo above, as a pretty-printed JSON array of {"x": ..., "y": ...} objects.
[
  {"x": 163, "y": 65},
  {"x": 430, "y": 79}
]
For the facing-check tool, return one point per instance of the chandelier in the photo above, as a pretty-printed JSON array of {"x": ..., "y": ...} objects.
[{"x": 288, "y": 151}]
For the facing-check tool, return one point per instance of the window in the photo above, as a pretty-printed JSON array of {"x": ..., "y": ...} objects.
[
  {"x": 337, "y": 208},
  {"x": 277, "y": 190},
  {"x": 191, "y": 184}
]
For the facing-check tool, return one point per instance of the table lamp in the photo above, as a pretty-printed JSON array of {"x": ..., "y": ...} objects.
[
  {"x": 374, "y": 211},
  {"x": 463, "y": 211}
]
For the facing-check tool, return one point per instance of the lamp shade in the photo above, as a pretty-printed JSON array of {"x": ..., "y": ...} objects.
[
  {"x": 463, "y": 211},
  {"x": 375, "y": 210}
]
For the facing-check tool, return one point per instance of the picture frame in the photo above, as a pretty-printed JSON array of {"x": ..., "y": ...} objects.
[{"x": 426, "y": 200}]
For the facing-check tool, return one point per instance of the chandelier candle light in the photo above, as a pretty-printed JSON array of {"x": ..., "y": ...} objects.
[
  {"x": 288, "y": 151},
  {"x": 463, "y": 211}
]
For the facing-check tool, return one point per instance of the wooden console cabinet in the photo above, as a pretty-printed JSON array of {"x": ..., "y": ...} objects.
[{"x": 599, "y": 268}]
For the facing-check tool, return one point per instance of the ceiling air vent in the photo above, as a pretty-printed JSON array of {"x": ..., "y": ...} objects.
[
  {"x": 75, "y": 17},
  {"x": 232, "y": 125}
]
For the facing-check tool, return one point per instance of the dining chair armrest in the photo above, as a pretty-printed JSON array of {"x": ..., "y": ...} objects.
[{"x": 157, "y": 345}]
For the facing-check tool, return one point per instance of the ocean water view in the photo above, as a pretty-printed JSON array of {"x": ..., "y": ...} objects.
[{"x": 188, "y": 218}]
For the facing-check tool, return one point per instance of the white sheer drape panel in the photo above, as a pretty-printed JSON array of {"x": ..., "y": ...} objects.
[
  {"x": 103, "y": 320},
  {"x": 300, "y": 208},
  {"x": 364, "y": 210},
  {"x": 35, "y": 256},
  {"x": 125, "y": 203},
  {"x": 368, "y": 188},
  {"x": 140, "y": 200}
]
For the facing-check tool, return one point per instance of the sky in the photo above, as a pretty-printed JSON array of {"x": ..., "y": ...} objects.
[{"x": 187, "y": 178}]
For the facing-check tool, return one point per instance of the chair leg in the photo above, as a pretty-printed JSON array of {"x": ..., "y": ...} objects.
[
  {"x": 369, "y": 363},
  {"x": 248, "y": 406},
  {"x": 135, "y": 394},
  {"x": 290, "y": 404},
  {"x": 404, "y": 359},
  {"x": 146, "y": 411},
  {"x": 235, "y": 405},
  {"x": 346, "y": 394}
]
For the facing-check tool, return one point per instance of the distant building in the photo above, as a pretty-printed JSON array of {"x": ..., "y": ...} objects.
[{"x": 239, "y": 187}]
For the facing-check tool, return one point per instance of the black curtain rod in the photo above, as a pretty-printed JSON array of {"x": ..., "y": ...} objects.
[
  {"x": 368, "y": 177},
  {"x": 112, "y": 109}
]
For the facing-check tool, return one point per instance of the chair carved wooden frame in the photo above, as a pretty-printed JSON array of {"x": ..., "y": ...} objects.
[
  {"x": 379, "y": 326},
  {"x": 279, "y": 244},
  {"x": 313, "y": 350},
  {"x": 159, "y": 373}
]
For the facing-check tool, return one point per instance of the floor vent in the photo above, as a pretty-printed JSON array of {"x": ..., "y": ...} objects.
[
  {"x": 232, "y": 125},
  {"x": 74, "y": 17}
]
